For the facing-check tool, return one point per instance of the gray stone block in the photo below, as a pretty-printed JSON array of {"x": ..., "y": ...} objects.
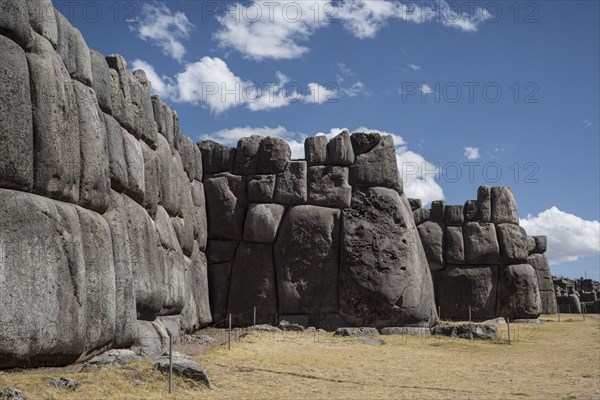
[{"x": 328, "y": 187}]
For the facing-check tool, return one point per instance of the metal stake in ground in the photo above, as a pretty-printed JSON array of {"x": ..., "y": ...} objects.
[
  {"x": 170, "y": 363},
  {"x": 508, "y": 327},
  {"x": 229, "y": 341},
  {"x": 469, "y": 314},
  {"x": 558, "y": 312},
  {"x": 583, "y": 310},
  {"x": 254, "y": 320}
]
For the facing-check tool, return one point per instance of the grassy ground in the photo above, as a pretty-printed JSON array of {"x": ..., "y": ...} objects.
[{"x": 549, "y": 360}]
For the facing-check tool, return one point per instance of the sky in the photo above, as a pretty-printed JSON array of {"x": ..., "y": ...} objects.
[{"x": 494, "y": 93}]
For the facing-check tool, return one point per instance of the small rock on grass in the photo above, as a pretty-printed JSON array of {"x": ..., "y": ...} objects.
[
  {"x": 10, "y": 393},
  {"x": 184, "y": 366},
  {"x": 64, "y": 383},
  {"x": 356, "y": 332}
]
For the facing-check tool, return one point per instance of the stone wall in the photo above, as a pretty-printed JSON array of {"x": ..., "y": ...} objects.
[
  {"x": 326, "y": 241},
  {"x": 480, "y": 257},
  {"x": 103, "y": 221}
]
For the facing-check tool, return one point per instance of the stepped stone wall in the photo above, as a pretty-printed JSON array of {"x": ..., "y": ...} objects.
[
  {"x": 117, "y": 230},
  {"x": 480, "y": 257}
]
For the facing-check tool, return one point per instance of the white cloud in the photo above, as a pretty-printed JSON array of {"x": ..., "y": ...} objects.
[
  {"x": 267, "y": 29},
  {"x": 472, "y": 153},
  {"x": 278, "y": 30},
  {"x": 569, "y": 236},
  {"x": 164, "y": 28},
  {"x": 161, "y": 85},
  {"x": 587, "y": 123},
  {"x": 413, "y": 67},
  {"x": 319, "y": 94},
  {"x": 356, "y": 89},
  {"x": 425, "y": 89}
]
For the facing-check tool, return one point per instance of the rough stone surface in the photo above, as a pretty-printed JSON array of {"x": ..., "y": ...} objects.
[
  {"x": 328, "y": 187},
  {"x": 261, "y": 188},
  {"x": 151, "y": 338},
  {"x": 94, "y": 184},
  {"x": 183, "y": 366},
  {"x": 541, "y": 244},
  {"x": 378, "y": 167},
  {"x": 481, "y": 244},
  {"x": 518, "y": 292},
  {"x": 459, "y": 287},
  {"x": 291, "y": 185},
  {"x": 16, "y": 125},
  {"x": 164, "y": 120},
  {"x": 120, "y": 92},
  {"x": 384, "y": 276},
  {"x": 432, "y": 237},
  {"x": 186, "y": 150},
  {"x": 218, "y": 281},
  {"x": 43, "y": 20},
  {"x": 340, "y": 150},
  {"x": 484, "y": 203},
  {"x": 539, "y": 262},
  {"x": 81, "y": 54},
  {"x": 262, "y": 222},
  {"x": 569, "y": 304},
  {"x": 356, "y": 332},
  {"x": 216, "y": 157},
  {"x": 471, "y": 209},
  {"x": 504, "y": 206},
  {"x": 134, "y": 157},
  {"x": 364, "y": 142},
  {"x": 306, "y": 258},
  {"x": 415, "y": 204},
  {"x": 14, "y": 23},
  {"x": 400, "y": 330},
  {"x": 253, "y": 284},
  {"x": 56, "y": 142},
  {"x": 246, "y": 156},
  {"x": 315, "y": 150},
  {"x": 145, "y": 126},
  {"x": 226, "y": 205},
  {"x": 467, "y": 331},
  {"x": 220, "y": 251},
  {"x": 48, "y": 308},
  {"x": 273, "y": 156},
  {"x": 151, "y": 179},
  {"x": 454, "y": 215},
  {"x": 513, "y": 243},
  {"x": 196, "y": 311},
  {"x": 117, "y": 165},
  {"x": 455, "y": 245},
  {"x": 167, "y": 183},
  {"x": 200, "y": 221},
  {"x": 11, "y": 393},
  {"x": 421, "y": 215},
  {"x": 101, "y": 81},
  {"x": 438, "y": 210}
]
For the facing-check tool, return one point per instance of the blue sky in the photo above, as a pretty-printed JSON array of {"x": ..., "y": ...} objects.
[{"x": 508, "y": 87}]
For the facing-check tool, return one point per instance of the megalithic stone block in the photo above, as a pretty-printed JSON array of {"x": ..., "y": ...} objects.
[
  {"x": 43, "y": 19},
  {"x": 340, "y": 150},
  {"x": 315, "y": 150},
  {"x": 151, "y": 179},
  {"x": 246, "y": 156},
  {"x": 291, "y": 186},
  {"x": 216, "y": 158},
  {"x": 274, "y": 154},
  {"x": 328, "y": 186},
  {"x": 471, "y": 209},
  {"x": 432, "y": 237},
  {"x": 518, "y": 292},
  {"x": 378, "y": 167},
  {"x": 454, "y": 215},
  {"x": 16, "y": 124},
  {"x": 261, "y": 188},
  {"x": 512, "y": 240},
  {"x": 484, "y": 203},
  {"x": 226, "y": 201},
  {"x": 539, "y": 262},
  {"x": 481, "y": 243},
  {"x": 455, "y": 246},
  {"x": 504, "y": 206},
  {"x": 364, "y": 142},
  {"x": 262, "y": 222},
  {"x": 14, "y": 23},
  {"x": 101, "y": 81}
]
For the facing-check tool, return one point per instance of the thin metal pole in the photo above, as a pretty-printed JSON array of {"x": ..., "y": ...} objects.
[
  {"x": 558, "y": 311},
  {"x": 469, "y": 314},
  {"x": 229, "y": 342},
  {"x": 508, "y": 326},
  {"x": 254, "y": 320},
  {"x": 170, "y": 364},
  {"x": 583, "y": 310},
  {"x": 440, "y": 312},
  {"x": 569, "y": 309}
]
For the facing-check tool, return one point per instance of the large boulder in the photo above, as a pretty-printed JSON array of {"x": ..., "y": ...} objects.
[
  {"x": 261, "y": 188},
  {"x": 438, "y": 210},
  {"x": 384, "y": 276},
  {"x": 471, "y": 209},
  {"x": 307, "y": 261},
  {"x": 262, "y": 222},
  {"x": 253, "y": 285},
  {"x": 164, "y": 120},
  {"x": 16, "y": 125},
  {"x": 273, "y": 156},
  {"x": 14, "y": 23},
  {"x": 196, "y": 311},
  {"x": 291, "y": 185},
  {"x": 124, "y": 264},
  {"x": 378, "y": 167},
  {"x": 504, "y": 206},
  {"x": 246, "y": 156},
  {"x": 539, "y": 262},
  {"x": 541, "y": 244},
  {"x": 101, "y": 80},
  {"x": 454, "y": 216},
  {"x": 42, "y": 19},
  {"x": 421, "y": 215},
  {"x": 168, "y": 197},
  {"x": 80, "y": 54},
  {"x": 315, "y": 150},
  {"x": 459, "y": 287},
  {"x": 63, "y": 45},
  {"x": 432, "y": 237},
  {"x": 455, "y": 245},
  {"x": 151, "y": 179},
  {"x": 513, "y": 243},
  {"x": 120, "y": 92},
  {"x": 216, "y": 157},
  {"x": 134, "y": 157},
  {"x": 94, "y": 185},
  {"x": 117, "y": 164},
  {"x": 218, "y": 281},
  {"x": 55, "y": 125},
  {"x": 186, "y": 221},
  {"x": 484, "y": 203},
  {"x": 145, "y": 127},
  {"x": 186, "y": 150},
  {"x": 518, "y": 292},
  {"x": 328, "y": 187},
  {"x": 200, "y": 220},
  {"x": 42, "y": 281},
  {"x": 340, "y": 150},
  {"x": 226, "y": 204},
  {"x": 481, "y": 243},
  {"x": 101, "y": 293},
  {"x": 364, "y": 142}
]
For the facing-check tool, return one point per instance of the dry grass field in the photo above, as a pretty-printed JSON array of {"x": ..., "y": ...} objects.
[{"x": 549, "y": 360}]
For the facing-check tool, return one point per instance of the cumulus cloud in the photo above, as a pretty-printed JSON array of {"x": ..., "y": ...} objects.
[
  {"x": 472, "y": 153},
  {"x": 161, "y": 85},
  {"x": 279, "y": 30},
  {"x": 425, "y": 88},
  {"x": 569, "y": 236},
  {"x": 413, "y": 67},
  {"x": 164, "y": 28}
]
